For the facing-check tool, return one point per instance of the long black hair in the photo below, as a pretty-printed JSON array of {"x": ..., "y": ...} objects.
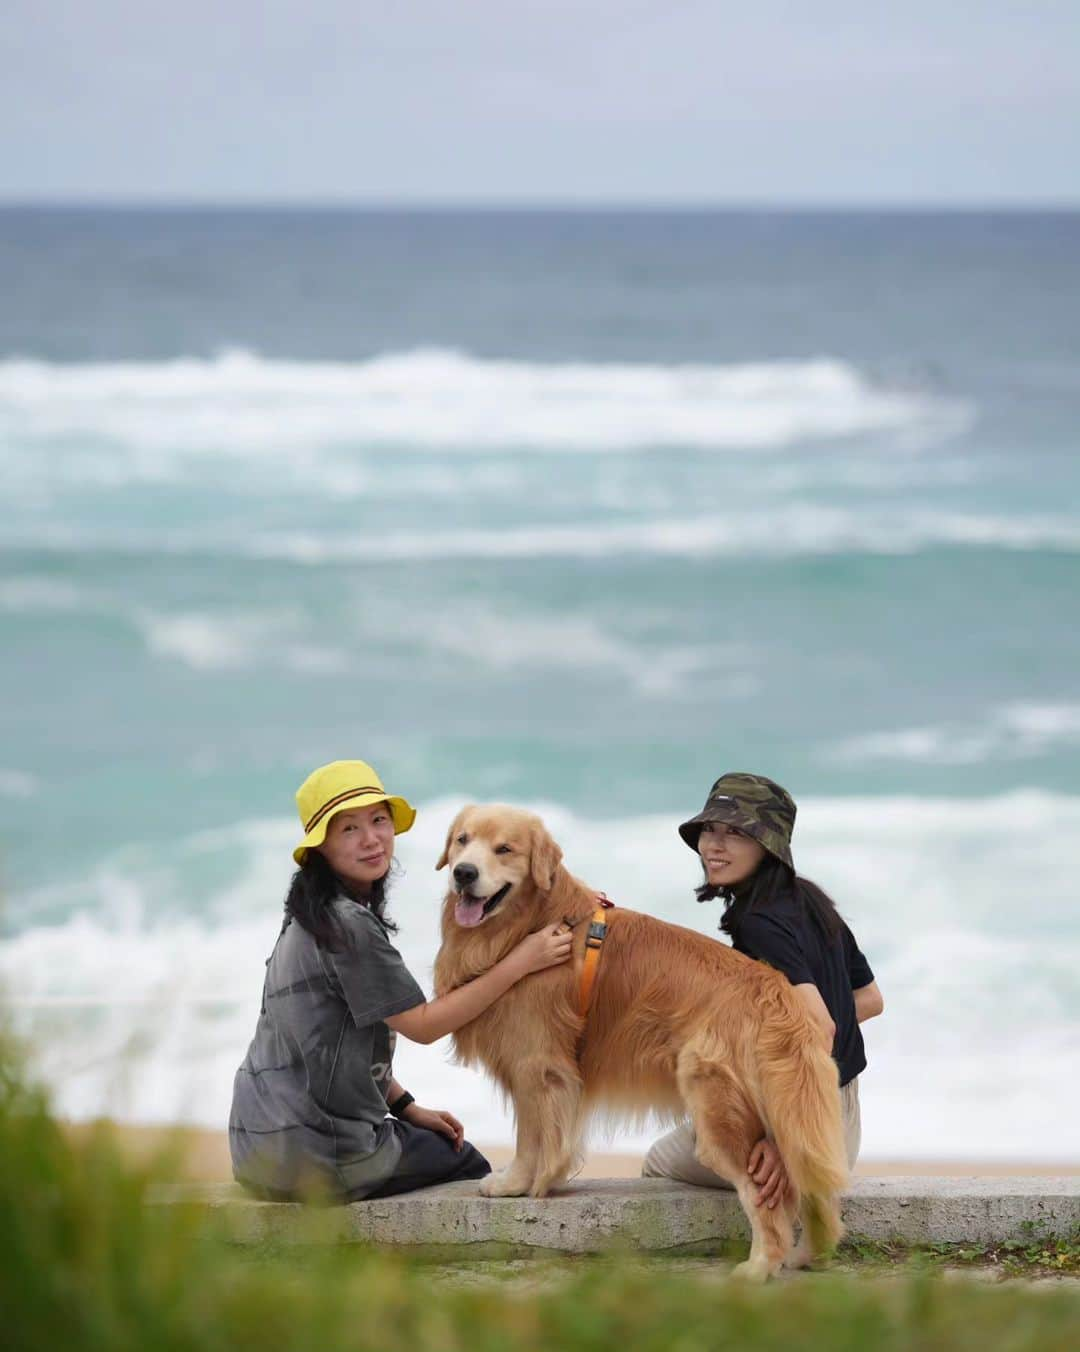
[
  {"x": 769, "y": 881},
  {"x": 314, "y": 887}
]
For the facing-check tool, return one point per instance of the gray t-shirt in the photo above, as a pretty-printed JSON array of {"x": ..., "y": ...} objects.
[{"x": 309, "y": 1102}]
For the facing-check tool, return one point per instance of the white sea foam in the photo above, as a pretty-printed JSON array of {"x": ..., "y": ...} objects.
[
  {"x": 203, "y": 641},
  {"x": 237, "y": 641},
  {"x": 141, "y": 1002},
  {"x": 506, "y": 639},
  {"x": 783, "y": 530},
  {"x": 240, "y": 403},
  {"x": 485, "y": 636},
  {"x": 18, "y": 784},
  {"x": 477, "y": 635},
  {"x": 206, "y": 643},
  {"x": 1017, "y": 731}
]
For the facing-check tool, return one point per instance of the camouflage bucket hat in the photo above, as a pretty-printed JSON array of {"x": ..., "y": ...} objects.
[{"x": 754, "y": 804}]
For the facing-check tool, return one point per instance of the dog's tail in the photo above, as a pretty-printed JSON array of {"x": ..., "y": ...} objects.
[{"x": 801, "y": 1097}]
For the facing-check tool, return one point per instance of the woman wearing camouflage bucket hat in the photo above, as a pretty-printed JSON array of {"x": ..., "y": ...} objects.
[
  {"x": 311, "y": 1102},
  {"x": 743, "y": 838}
]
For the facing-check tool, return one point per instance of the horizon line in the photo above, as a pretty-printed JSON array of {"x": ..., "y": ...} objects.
[{"x": 581, "y": 206}]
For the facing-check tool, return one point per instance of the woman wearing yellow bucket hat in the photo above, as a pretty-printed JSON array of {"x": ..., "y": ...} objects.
[{"x": 311, "y": 1100}]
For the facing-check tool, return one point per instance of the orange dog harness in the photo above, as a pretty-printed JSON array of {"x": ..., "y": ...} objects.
[{"x": 594, "y": 941}]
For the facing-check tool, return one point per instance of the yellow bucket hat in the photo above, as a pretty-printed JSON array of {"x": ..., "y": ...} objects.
[{"x": 337, "y": 787}]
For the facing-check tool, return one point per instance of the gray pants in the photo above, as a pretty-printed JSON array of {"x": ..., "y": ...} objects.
[{"x": 672, "y": 1156}]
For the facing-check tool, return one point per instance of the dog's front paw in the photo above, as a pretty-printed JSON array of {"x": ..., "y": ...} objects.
[
  {"x": 755, "y": 1271},
  {"x": 506, "y": 1183}
]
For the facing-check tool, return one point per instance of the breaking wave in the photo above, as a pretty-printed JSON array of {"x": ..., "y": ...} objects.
[{"x": 239, "y": 403}]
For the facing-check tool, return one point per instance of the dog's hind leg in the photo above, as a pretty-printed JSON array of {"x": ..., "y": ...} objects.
[{"x": 726, "y": 1127}]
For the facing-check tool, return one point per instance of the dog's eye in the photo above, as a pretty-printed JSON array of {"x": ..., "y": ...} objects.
[
  {"x": 463, "y": 839},
  {"x": 503, "y": 849}
]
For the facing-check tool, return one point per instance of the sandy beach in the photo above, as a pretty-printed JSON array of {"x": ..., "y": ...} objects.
[{"x": 198, "y": 1154}]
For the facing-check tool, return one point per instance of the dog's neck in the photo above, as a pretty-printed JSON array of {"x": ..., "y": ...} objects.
[{"x": 570, "y": 899}]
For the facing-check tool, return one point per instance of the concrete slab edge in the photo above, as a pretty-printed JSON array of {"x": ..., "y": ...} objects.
[{"x": 651, "y": 1215}]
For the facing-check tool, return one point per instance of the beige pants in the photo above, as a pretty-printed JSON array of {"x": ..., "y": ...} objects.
[{"x": 672, "y": 1156}]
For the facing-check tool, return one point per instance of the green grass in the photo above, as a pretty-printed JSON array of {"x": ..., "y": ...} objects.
[
  {"x": 1038, "y": 1254},
  {"x": 85, "y": 1263}
]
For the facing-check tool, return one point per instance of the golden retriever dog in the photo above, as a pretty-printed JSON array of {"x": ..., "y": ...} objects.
[{"x": 678, "y": 1023}]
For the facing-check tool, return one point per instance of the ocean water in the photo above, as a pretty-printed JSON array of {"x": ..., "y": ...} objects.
[{"x": 573, "y": 510}]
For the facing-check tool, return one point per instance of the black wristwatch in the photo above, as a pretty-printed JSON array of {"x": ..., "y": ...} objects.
[{"x": 397, "y": 1108}]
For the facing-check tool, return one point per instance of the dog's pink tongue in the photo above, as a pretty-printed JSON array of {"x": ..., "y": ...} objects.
[{"x": 468, "y": 912}]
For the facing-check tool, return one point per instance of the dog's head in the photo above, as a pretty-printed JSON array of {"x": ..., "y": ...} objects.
[{"x": 497, "y": 856}]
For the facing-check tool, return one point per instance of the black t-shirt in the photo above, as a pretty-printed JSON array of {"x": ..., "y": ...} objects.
[{"x": 787, "y": 938}]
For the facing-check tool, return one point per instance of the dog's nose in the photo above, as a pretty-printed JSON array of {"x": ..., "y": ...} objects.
[{"x": 465, "y": 874}]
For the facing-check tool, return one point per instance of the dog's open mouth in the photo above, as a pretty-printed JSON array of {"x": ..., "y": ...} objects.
[{"x": 470, "y": 910}]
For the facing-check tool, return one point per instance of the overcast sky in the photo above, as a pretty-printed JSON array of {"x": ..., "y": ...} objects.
[{"x": 653, "y": 101}]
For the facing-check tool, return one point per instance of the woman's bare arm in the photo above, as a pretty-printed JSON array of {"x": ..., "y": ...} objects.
[
  {"x": 869, "y": 1002},
  {"x": 434, "y": 1019}
]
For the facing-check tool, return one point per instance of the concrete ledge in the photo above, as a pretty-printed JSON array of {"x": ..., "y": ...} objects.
[{"x": 652, "y": 1215}]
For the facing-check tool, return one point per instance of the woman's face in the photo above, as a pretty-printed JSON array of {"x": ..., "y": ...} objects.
[
  {"x": 730, "y": 856},
  {"x": 359, "y": 844}
]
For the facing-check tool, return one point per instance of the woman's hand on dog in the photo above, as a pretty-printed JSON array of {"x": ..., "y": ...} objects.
[
  {"x": 545, "y": 948},
  {"x": 767, "y": 1170},
  {"x": 436, "y": 1119}
]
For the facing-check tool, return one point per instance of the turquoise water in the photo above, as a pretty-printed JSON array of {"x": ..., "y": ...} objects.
[{"x": 572, "y": 510}]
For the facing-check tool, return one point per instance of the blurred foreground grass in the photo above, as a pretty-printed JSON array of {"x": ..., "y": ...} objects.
[{"x": 85, "y": 1263}]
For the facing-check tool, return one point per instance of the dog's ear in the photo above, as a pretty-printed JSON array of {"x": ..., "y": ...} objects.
[
  {"x": 455, "y": 827},
  {"x": 546, "y": 857}
]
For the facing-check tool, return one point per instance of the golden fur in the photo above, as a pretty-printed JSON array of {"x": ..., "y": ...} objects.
[{"x": 678, "y": 1023}]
